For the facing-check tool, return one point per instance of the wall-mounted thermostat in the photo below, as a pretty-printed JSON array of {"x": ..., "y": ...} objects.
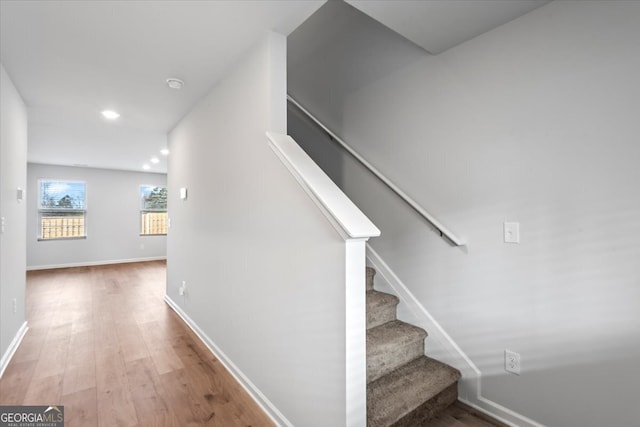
[{"x": 183, "y": 193}]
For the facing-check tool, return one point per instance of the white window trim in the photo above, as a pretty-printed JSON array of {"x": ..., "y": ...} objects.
[{"x": 45, "y": 210}]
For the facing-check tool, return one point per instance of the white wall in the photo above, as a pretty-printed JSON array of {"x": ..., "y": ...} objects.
[
  {"x": 264, "y": 268},
  {"x": 112, "y": 221},
  {"x": 13, "y": 175},
  {"x": 536, "y": 122}
]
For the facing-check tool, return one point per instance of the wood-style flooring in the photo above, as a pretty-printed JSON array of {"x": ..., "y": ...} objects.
[
  {"x": 461, "y": 415},
  {"x": 103, "y": 343}
]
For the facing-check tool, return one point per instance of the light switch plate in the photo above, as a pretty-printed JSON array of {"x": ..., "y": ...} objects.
[{"x": 512, "y": 232}]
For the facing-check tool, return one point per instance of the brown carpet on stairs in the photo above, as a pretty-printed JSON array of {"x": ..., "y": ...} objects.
[{"x": 405, "y": 388}]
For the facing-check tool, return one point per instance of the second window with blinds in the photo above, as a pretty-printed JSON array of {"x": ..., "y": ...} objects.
[{"x": 153, "y": 210}]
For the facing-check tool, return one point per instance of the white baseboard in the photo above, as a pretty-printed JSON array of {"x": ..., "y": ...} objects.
[
  {"x": 444, "y": 347},
  {"x": 244, "y": 381},
  {"x": 93, "y": 263},
  {"x": 13, "y": 346}
]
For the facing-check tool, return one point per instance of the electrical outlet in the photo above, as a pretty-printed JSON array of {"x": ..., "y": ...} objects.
[
  {"x": 183, "y": 288},
  {"x": 15, "y": 305},
  {"x": 512, "y": 362}
]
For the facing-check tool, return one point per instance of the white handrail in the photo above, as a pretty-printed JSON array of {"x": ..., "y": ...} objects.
[
  {"x": 343, "y": 214},
  {"x": 444, "y": 232}
]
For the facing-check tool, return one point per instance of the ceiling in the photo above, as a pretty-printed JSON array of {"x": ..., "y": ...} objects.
[
  {"x": 72, "y": 59},
  {"x": 438, "y": 25}
]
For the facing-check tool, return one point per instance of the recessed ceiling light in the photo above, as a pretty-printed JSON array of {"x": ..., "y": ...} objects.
[
  {"x": 111, "y": 115},
  {"x": 174, "y": 83},
  {"x": 164, "y": 152},
  {"x": 146, "y": 167},
  {"x": 155, "y": 160}
]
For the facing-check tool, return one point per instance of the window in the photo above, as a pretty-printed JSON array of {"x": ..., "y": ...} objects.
[
  {"x": 62, "y": 210},
  {"x": 153, "y": 210}
]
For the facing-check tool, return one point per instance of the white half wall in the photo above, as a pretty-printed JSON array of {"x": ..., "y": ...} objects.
[
  {"x": 112, "y": 221},
  {"x": 534, "y": 122},
  {"x": 13, "y": 175},
  {"x": 264, "y": 268}
]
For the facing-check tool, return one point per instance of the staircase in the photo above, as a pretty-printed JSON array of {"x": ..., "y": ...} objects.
[{"x": 404, "y": 387}]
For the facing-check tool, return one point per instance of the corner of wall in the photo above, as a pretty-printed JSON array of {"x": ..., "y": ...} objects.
[
  {"x": 278, "y": 87},
  {"x": 13, "y": 176},
  {"x": 13, "y": 346},
  {"x": 245, "y": 239},
  {"x": 231, "y": 367}
]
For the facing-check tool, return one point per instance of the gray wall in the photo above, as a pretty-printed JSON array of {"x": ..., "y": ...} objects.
[
  {"x": 13, "y": 175},
  {"x": 113, "y": 219},
  {"x": 536, "y": 122},
  {"x": 264, "y": 269}
]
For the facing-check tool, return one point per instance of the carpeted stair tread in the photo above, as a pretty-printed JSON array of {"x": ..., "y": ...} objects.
[
  {"x": 381, "y": 308},
  {"x": 391, "y": 345},
  {"x": 411, "y": 394},
  {"x": 404, "y": 387}
]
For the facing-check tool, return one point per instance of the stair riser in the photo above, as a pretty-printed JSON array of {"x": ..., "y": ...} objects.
[
  {"x": 370, "y": 273},
  {"x": 411, "y": 394},
  {"x": 380, "y": 315},
  {"x": 387, "y": 359},
  {"x": 404, "y": 387}
]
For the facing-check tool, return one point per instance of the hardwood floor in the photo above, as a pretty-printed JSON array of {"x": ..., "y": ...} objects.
[
  {"x": 103, "y": 343},
  {"x": 461, "y": 415}
]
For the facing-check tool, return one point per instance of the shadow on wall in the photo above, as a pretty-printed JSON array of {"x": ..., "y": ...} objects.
[
  {"x": 314, "y": 141},
  {"x": 602, "y": 371},
  {"x": 338, "y": 33}
]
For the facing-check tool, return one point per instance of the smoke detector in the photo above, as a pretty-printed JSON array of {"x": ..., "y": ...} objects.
[{"x": 174, "y": 83}]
